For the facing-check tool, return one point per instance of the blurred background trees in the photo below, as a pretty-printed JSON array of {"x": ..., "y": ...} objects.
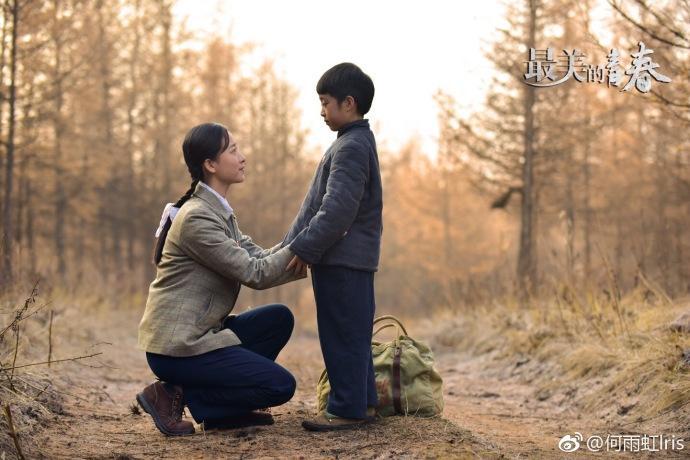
[
  {"x": 593, "y": 174},
  {"x": 543, "y": 188}
]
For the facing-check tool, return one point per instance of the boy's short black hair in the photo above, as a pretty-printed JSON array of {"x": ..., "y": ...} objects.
[{"x": 346, "y": 79}]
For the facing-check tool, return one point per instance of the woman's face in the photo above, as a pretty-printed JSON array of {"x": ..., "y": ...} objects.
[{"x": 229, "y": 166}]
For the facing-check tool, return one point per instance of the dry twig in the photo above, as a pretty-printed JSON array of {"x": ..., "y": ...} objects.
[
  {"x": 50, "y": 338},
  {"x": 13, "y": 434},
  {"x": 56, "y": 361}
]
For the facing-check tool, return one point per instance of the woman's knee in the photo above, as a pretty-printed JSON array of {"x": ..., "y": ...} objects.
[
  {"x": 288, "y": 318},
  {"x": 282, "y": 311},
  {"x": 283, "y": 318},
  {"x": 283, "y": 387}
]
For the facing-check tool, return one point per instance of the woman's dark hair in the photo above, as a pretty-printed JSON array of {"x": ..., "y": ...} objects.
[{"x": 203, "y": 142}]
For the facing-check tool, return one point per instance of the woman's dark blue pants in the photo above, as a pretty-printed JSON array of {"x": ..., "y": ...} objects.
[{"x": 231, "y": 381}]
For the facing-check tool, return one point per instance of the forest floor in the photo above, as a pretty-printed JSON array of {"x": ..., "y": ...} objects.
[{"x": 494, "y": 408}]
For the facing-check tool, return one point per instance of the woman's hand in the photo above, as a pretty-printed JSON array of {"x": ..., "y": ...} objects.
[{"x": 298, "y": 266}]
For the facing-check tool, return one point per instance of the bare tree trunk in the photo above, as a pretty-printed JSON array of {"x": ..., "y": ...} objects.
[
  {"x": 114, "y": 215},
  {"x": 132, "y": 104},
  {"x": 9, "y": 169},
  {"x": 19, "y": 208},
  {"x": 3, "y": 49},
  {"x": 587, "y": 230},
  {"x": 23, "y": 200},
  {"x": 60, "y": 202},
  {"x": 80, "y": 248},
  {"x": 526, "y": 270},
  {"x": 570, "y": 223},
  {"x": 661, "y": 241},
  {"x": 81, "y": 257},
  {"x": 446, "y": 217},
  {"x": 616, "y": 212},
  {"x": 644, "y": 233},
  {"x": 102, "y": 239},
  {"x": 30, "y": 229},
  {"x": 109, "y": 206},
  {"x": 679, "y": 259},
  {"x": 163, "y": 138}
]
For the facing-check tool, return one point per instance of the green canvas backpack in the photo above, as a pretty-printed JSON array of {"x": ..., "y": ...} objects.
[{"x": 407, "y": 383}]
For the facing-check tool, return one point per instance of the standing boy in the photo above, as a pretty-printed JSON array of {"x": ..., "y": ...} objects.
[{"x": 338, "y": 232}]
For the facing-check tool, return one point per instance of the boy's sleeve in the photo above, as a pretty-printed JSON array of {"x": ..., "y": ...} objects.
[{"x": 347, "y": 178}]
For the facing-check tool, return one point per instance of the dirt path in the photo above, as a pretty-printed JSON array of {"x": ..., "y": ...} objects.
[
  {"x": 501, "y": 411},
  {"x": 489, "y": 414}
]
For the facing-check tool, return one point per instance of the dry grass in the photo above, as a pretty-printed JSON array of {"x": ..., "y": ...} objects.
[
  {"x": 31, "y": 354},
  {"x": 613, "y": 355},
  {"x": 25, "y": 398}
]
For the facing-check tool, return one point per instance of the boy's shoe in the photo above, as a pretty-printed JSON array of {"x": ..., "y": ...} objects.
[
  {"x": 254, "y": 418},
  {"x": 164, "y": 404},
  {"x": 329, "y": 422}
]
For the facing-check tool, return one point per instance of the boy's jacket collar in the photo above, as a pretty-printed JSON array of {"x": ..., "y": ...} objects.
[{"x": 363, "y": 123}]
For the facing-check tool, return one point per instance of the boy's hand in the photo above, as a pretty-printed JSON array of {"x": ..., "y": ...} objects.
[{"x": 298, "y": 266}]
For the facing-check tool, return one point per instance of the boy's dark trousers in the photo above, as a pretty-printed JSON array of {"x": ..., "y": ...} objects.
[
  {"x": 232, "y": 381},
  {"x": 345, "y": 308}
]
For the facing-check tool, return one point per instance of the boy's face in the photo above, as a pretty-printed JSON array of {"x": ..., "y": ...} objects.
[{"x": 337, "y": 115}]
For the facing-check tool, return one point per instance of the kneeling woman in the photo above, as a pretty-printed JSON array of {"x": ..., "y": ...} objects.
[{"x": 221, "y": 367}]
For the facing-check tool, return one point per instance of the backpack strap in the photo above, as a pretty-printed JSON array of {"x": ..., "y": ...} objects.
[
  {"x": 391, "y": 318},
  {"x": 397, "y": 392},
  {"x": 386, "y": 326},
  {"x": 392, "y": 321}
]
